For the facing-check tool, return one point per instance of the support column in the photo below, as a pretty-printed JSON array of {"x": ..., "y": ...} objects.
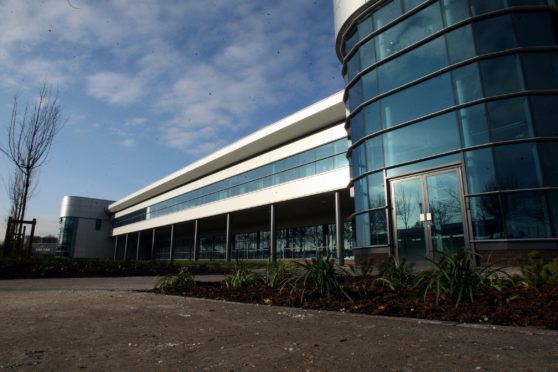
[
  {"x": 115, "y": 246},
  {"x": 339, "y": 239},
  {"x": 138, "y": 246},
  {"x": 153, "y": 244},
  {"x": 171, "y": 250},
  {"x": 273, "y": 234},
  {"x": 228, "y": 238},
  {"x": 126, "y": 248},
  {"x": 196, "y": 244}
]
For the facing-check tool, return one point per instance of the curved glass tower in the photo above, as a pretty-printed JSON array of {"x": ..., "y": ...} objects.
[{"x": 453, "y": 118}]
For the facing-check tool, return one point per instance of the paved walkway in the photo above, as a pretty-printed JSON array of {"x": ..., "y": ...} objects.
[{"x": 70, "y": 324}]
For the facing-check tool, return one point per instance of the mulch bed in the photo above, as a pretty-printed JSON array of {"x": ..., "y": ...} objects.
[{"x": 534, "y": 307}]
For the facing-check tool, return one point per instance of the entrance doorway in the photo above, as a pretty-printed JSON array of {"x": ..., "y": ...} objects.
[{"x": 428, "y": 215}]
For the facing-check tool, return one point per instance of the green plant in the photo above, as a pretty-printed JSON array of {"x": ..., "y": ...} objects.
[
  {"x": 277, "y": 275},
  {"x": 367, "y": 267},
  {"x": 242, "y": 277},
  {"x": 537, "y": 272},
  {"x": 179, "y": 282},
  {"x": 320, "y": 276},
  {"x": 457, "y": 277},
  {"x": 395, "y": 273}
]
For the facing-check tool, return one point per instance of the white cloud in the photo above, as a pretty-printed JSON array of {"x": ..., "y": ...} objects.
[
  {"x": 129, "y": 142},
  {"x": 115, "y": 88}
]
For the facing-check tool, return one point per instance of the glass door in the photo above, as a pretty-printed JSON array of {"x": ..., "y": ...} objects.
[{"x": 428, "y": 215}]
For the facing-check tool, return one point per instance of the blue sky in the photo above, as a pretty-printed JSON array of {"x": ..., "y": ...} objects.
[{"x": 147, "y": 87}]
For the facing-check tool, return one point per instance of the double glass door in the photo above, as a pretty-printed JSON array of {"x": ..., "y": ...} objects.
[{"x": 428, "y": 215}]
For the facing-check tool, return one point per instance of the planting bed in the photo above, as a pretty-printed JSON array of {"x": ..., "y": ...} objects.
[{"x": 535, "y": 307}]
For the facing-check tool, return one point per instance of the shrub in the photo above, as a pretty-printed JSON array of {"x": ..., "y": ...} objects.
[
  {"x": 278, "y": 275},
  {"x": 179, "y": 282},
  {"x": 457, "y": 277},
  {"x": 242, "y": 277},
  {"x": 536, "y": 272},
  {"x": 395, "y": 273},
  {"x": 321, "y": 276},
  {"x": 367, "y": 267}
]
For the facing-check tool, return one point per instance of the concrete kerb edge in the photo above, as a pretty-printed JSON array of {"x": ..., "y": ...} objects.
[{"x": 489, "y": 327}]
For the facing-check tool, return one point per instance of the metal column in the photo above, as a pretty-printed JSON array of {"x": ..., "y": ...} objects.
[
  {"x": 138, "y": 246},
  {"x": 126, "y": 248},
  {"x": 153, "y": 244},
  {"x": 273, "y": 234},
  {"x": 171, "y": 254},
  {"x": 196, "y": 245},
  {"x": 339, "y": 239},
  {"x": 228, "y": 238},
  {"x": 115, "y": 246}
]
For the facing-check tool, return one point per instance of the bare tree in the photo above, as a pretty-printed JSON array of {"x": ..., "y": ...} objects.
[{"x": 29, "y": 139}]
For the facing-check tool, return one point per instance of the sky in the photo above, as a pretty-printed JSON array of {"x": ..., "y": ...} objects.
[{"x": 148, "y": 87}]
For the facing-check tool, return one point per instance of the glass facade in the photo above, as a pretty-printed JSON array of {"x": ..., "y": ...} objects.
[
  {"x": 308, "y": 163},
  {"x": 66, "y": 236},
  {"x": 469, "y": 84}
]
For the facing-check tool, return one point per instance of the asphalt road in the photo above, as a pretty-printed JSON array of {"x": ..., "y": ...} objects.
[{"x": 106, "y": 324}]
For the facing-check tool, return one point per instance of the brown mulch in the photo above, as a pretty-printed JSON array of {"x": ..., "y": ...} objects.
[{"x": 534, "y": 307}]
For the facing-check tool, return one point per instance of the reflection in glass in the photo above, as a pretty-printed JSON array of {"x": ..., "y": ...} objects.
[
  {"x": 518, "y": 166},
  {"x": 545, "y": 114},
  {"x": 474, "y": 130},
  {"x": 479, "y": 167},
  {"x": 549, "y": 162},
  {"x": 454, "y": 11},
  {"x": 430, "y": 137},
  {"x": 525, "y": 215},
  {"x": 509, "y": 119},
  {"x": 486, "y": 217},
  {"x": 408, "y": 206},
  {"x": 489, "y": 41},
  {"x": 460, "y": 44},
  {"x": 501, "y": 75},
  {"x": 467, "y": 83},
  {"x": 444, "y": 201},
  {"x": 541, "y": 70}
]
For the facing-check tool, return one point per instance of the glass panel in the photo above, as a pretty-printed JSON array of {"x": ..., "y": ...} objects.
[
  {"x": 553, "y": 204},
  {"x": 409, "y": 31},
  {"x": 444, "y": 202},
  {"x": 369, "y": 85},
  {"x": 374, "y": 153},
  {"x": 541, "y": 70},
  {"x": 424, "y": 165},
  {"x": 525, "y": 215},
  {"x": 549, "y": 162},
  {"x": 485, "y": 6},
  {"x": 501, "y": 75},
  {"x": 410, "y": 4},
  {"x": 413, "y": 65},
  {"x": 467, "y": 83},
  {"x": 480, "y": 171},
  {"x": 358, "y": 158},
  {"x": 509, "y": 119},
  {"x": 408, "y": 206},
  {"x": 474, "y": 130},
  {"x": 486, "y": 217},
  {"x": 372, "y": 120},
  {"x": 375, "y": 192},
  {"x": 351, "y": 40},
  {"x": 426, "y": 138},
  {"x": 386, "y": 14},
  {"x": 371, "y": 229},
  {"x": 355, "y": 95},
  {"x": 367, "y": 54},
  {"x": 353, "y": 67},
  {"x": 489, "y": 41},
  {"x": 534, "y": 29},
  {"x": 419, "y": 100},
  {"x": 518, "y": 166},
  {"x": 361, "y": 194},
  {"x": 454, "y": 11},
  {"x": 460, "y": 44},
  {"x": 365, "y": 27},
  {"x": 545, "y": 114}
]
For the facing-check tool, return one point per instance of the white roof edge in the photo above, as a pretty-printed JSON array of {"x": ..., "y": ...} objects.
[{"x": 333, "y": 102}]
